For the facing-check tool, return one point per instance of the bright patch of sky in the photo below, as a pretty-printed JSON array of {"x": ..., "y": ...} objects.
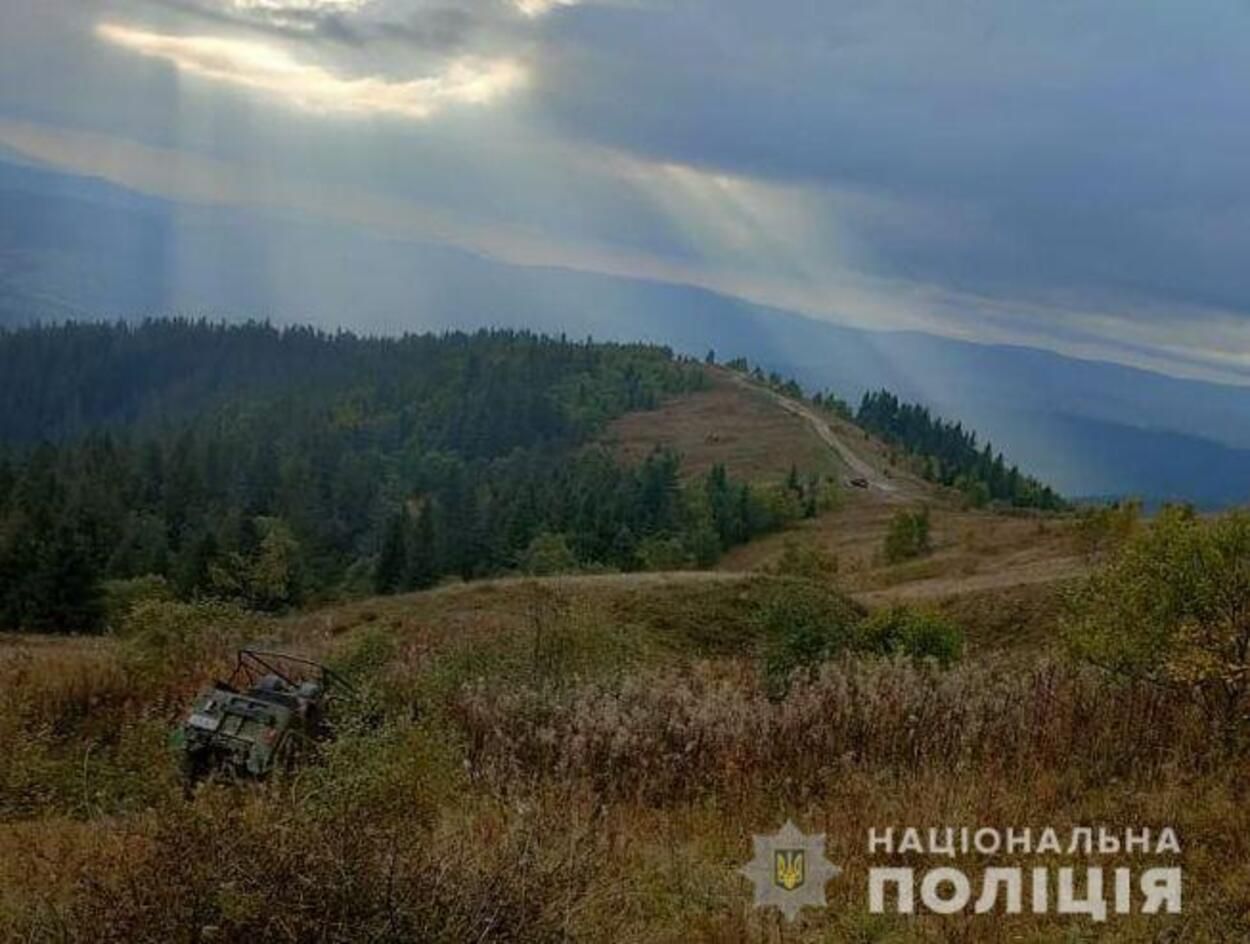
[{"x": 271, "y": 70}]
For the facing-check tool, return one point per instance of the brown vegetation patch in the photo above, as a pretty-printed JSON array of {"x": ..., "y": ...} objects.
[{"x": 728, "y": 424}]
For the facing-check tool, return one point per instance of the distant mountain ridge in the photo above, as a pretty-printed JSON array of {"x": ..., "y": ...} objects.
[{"x": 72, "y": 247}]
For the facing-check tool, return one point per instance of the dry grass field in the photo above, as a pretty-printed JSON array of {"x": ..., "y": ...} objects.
[
  {"x": 739, "y": 428},
  {"x": 578, "y": 759},
  {"x": 586, "y": 758}
]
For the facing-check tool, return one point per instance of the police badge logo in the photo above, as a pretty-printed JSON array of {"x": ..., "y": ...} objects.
[{"x": 789, "y": 871}]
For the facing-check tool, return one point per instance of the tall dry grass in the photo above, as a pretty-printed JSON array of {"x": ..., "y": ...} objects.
[
  {"x": 676, "y": 735},
  {"x": 566, "y": 780},
  {"x": 256, "y": 867}
]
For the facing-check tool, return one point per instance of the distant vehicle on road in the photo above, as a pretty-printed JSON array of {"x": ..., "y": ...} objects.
[{"x": 858, "y": 482}]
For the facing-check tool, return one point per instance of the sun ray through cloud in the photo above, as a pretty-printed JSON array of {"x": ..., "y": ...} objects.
[
  {"x": 535, "y": 8},
  {"x": 270, "y": 70}
]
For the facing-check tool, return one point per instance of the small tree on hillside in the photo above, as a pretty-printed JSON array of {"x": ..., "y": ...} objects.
[
  {"x": 547, "y": 554},
  {"x": 658, "y": 553},
  {"x": 421, "y": 565},
  {"x": 802, "y": 624},
  {"x": 1104, "y": 528},
  {"x": 388, "y": 576},
  {"x": 908, "y": 536},
  {"x": 1173, "y": 607},
  {"x": 805, "y": 560},
  {"x": 275, "y": 578},
  {"x": 266, "y": 576},
  {"x": 67, "y": 595},
  {"x": 919, "y": 633}
]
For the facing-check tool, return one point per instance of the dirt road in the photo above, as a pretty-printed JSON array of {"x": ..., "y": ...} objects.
[{"x": 858, "y": 467}]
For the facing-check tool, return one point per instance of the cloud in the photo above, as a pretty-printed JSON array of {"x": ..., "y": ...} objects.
[
  {"x": 306, "y": 6},
  {"x": 1084, "y": 154},
  {"x": 299, "y": 15},
  {"x": 533, "y": 8},
  {"x": 273, "y": 71},
  {"x": 1196, "y": 342},
  {"x": 427, "y": 24}
]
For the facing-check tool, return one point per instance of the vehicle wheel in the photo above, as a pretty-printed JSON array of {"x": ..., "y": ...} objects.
[{"x": 193, "y": 767}]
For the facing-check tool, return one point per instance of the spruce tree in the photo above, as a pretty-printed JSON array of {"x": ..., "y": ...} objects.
[{"x": 388, "y": 575}]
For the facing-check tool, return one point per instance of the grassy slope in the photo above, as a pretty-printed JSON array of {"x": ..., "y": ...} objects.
[
  {"x": 996, "y": 571},
  {"x": 587, "y": 757},
  {"x": 727, "y": 424}
]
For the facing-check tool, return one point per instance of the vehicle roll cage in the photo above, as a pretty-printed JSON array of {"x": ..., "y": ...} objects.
[{"x": 252, "y": 664}]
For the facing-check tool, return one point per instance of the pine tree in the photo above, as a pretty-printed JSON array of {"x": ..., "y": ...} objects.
[
  {"x": 421, "y": 564},
  {"x": 388, "y": 576},
  {"x": 792, "y": 480},
  {"x": 66, "y": 597}
]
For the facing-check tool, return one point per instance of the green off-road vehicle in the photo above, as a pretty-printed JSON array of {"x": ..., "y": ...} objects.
[{"x": 270, "y": 710}]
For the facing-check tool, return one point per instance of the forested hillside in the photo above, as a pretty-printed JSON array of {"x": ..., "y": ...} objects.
[
  {"x": 276, "y": 466},
  {"x": 481, "y": 393},
  {"x": 949, "y": 454}
]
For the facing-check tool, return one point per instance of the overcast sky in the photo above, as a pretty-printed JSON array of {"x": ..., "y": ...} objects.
[{"x": 1067, "y": 174}]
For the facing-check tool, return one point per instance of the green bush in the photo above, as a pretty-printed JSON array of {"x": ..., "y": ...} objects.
[
  {"x": 921, "y": 634},
  {"x": 662, "y": 553},
  {"x": 548, "y": 554},
  {"x": 122, "y": 596},
  {"x": 908, "y": 536},
  {"x": 803, "y": 624},
  {"x": 161, "y": 631},
  {"x": 976, "y": 493},
  {"x": 1105, "y": 528},
  {"x": 806, "y": 561},
  {"x": 268, "y": 578},
  {"x": 780, "y": 506},
  {"x": 1173, "y": 607}
]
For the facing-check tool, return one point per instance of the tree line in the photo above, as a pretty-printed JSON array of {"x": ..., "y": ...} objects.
[
  {"x": 949, "y": 454},
  {"x": 281, "y": 466}
]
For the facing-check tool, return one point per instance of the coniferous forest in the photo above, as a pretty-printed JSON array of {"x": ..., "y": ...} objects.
[
  {"x": 949, "y": 454},
  {"x": 282, "y": 466}
]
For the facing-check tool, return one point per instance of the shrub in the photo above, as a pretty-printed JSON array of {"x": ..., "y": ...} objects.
[
  {"x": 1173, "y": 607},
  {"x": 826, "y": 495},
  {"x": 662, "y": 553},
  {"x": 356, "y": 856},
  {"x": 807, "y": 561},
  {"x": 548, "y": 554},
  {"x": 366, "y": 655},
  {"x": 122, "y": 596},
  {"x": 1105, "y": 528},
  {"x": 159, "y": 632},
  {"x": 908, "y": 536},
  {"x": 976, "y": 493},
  {"x": 920, "y": 634},
  {"x": 804, "y": 624},
  {"x": 780, "y": 506},
  {"x": 270, "y": 577}
]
